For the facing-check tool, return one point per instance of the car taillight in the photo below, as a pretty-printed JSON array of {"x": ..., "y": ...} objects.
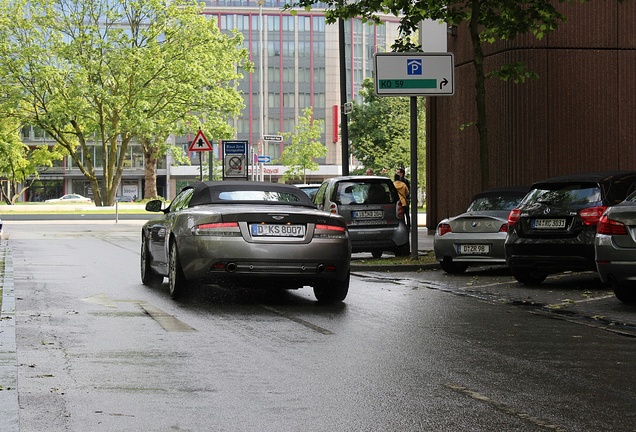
[
  {"x": 220, "y": 229},
  {"x": 443, "y": 229},
  {"x": 399, "y": 210},
  {"x": 591, "y": 215},
  {"x": 610, "y": 227},
  {"x": 503, "y": 228},
  {"x": 513, "y": 217},
  {"x": 333, "y": 209},
  {"x": 330, "y": 231}
]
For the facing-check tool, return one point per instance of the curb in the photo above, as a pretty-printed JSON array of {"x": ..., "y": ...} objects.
[
  {"x": 390, "y": 268},
  {"x": 9, "y": 406}
]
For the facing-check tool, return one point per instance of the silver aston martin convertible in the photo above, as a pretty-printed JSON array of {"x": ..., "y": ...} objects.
[{"x": 246, "y": 234}]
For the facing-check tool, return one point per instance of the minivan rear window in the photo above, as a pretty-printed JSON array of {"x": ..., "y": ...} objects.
[{"x": 351, "y": 193}]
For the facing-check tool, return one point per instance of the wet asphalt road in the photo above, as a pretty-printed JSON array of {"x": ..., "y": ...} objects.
[{"x": 410, "y": 351}]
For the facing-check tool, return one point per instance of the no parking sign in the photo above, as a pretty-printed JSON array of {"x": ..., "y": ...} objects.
[{"x": 235, "y": 159}]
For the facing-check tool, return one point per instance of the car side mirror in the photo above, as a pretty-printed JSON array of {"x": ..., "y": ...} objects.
[{"x": 154, "y": 206}]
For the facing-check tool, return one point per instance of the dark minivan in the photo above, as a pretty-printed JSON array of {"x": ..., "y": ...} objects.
[
  {"x": 553, "y": 228},
  {"x": 371, "y": 207}
]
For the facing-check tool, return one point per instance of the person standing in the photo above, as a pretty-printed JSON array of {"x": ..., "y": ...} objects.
[
  {"x": 403, "y": 193},
  {"x": 402, "y": 175},
  {"x": 369, "y": 171}
]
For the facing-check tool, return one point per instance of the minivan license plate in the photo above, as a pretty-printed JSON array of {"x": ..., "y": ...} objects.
[
  {"x": 368, "y": 214},
  {"x": 274, "y": 230}
]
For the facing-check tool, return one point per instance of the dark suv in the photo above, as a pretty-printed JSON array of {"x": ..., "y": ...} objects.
[
  {"x": 372, "y": 209},
  {"x": 554, "y": 226}
]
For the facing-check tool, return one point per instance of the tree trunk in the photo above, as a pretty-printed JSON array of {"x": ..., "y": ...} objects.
[
  {"x": 150, "y": 159},
  {"x": 480, "y": 95}
]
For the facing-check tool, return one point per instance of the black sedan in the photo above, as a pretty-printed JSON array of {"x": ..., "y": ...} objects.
[
  {"x": 246, "y": 234},
  {"x": 554, "y": 227}
]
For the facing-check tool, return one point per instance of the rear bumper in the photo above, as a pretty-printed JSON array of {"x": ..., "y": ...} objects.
[
  {"x": 266, "y": 275},
  {"x": 551, "y": 264},
  {"x": 386, "y": 238},
  {"x": 551, "y": 258},
  {"x": 615, "y": 264},
  {"x": 447, "y": 246}
]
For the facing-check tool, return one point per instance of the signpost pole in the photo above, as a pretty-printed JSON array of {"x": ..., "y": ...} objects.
[
  {"x": 211, "y": 174},
  {"x": 414, "y": 74},
  {"x": 413, "y": 191}
]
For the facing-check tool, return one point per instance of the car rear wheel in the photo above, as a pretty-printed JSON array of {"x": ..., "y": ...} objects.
[
  {"x": 333, "y": 291},
  {"x": 529, "y": 277},
  {"x": 450, "y": 266},
  {"x": 176, "y": 279},
  {"x": 624, "y": 293},
  {"x": 376, "y": 254},
  {"x": 148, "y": 276},
  {"x": 403, "y": 250}
]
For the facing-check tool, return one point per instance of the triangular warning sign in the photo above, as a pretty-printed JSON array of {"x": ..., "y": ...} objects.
[{"x": 200, "y": 143}]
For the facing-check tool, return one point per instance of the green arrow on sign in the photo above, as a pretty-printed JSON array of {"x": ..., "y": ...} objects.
[{"x": 408, "y": 84}]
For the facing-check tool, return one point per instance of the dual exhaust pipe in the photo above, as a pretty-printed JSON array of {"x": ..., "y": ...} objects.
[{"x": 231, "y": 268}]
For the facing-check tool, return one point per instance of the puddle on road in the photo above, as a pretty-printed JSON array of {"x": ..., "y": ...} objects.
[{"x": 169, "y": 322}]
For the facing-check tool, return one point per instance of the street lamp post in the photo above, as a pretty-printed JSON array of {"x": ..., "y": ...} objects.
[{"x": 260, "y": 81}]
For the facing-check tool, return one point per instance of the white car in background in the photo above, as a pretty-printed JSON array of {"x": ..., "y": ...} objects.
[
  {"x": 70, "y": 198},
  {"x": 309, "y": 189}
]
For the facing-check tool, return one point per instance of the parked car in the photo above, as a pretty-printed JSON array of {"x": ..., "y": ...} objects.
[
  {"x": 615, "y": 249},
  {"x": 309, "y": 189},
  {"x": 246, "y": 234},
  {"x": 371, "y": 207},
  {"x": 124, "y": 198},
  {"x": 478, "y": 235},
  {"x": 70, "y": 198},
  {"x": 554, "y": 227}
]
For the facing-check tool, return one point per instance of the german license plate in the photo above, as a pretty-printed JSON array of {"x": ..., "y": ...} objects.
[
  {"x": 548, "y": 223},
  {"x": 274, "y": 230},
  {"x": 473, "y": 249},
  {"x": 368, "y": 214}
]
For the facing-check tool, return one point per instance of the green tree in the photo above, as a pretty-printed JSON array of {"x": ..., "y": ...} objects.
[
  {"x": 379, "y": 129},
  {"x": 19, "y": 164},
  {"x": 190, "y": 83},
  {"x": 486, "y": 21},
  {"x": 304, "y": 147},
  {"x": 107, "y": 72}
]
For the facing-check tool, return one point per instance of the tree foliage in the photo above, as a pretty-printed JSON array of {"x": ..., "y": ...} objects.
[
  {"x": 486, "y": 20},
  {"x": 379, "y": 130},
  {"x": 304, "y": 147},
  {"x": 102, "y": 74},
  {"x": 19, "y": 164}
]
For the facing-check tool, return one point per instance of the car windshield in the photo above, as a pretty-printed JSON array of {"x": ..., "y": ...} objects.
[
  {"x": 257, "y": 195},
  {"x": 565, "y": 195},
  {"x": 498, "y": 202}
]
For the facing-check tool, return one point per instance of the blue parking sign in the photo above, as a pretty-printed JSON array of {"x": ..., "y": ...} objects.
[{"x": 414, "y": 67}]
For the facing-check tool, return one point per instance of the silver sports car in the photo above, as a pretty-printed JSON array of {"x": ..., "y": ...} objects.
[
  {"x": 615, "y": 249},
  {"x": 246, "y": 234},
  {"x": 478, "y": 235}
]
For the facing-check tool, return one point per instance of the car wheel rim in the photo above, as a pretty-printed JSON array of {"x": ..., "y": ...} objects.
[
  {"x": 172, "y": 272},
  {"x": 143, "y": 257}
]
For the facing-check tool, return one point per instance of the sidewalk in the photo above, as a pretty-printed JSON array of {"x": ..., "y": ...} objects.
[{"x": 9, "y": 407}]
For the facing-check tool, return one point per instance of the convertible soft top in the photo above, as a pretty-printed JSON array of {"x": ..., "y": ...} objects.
[{"x": 247, "y": 192}]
